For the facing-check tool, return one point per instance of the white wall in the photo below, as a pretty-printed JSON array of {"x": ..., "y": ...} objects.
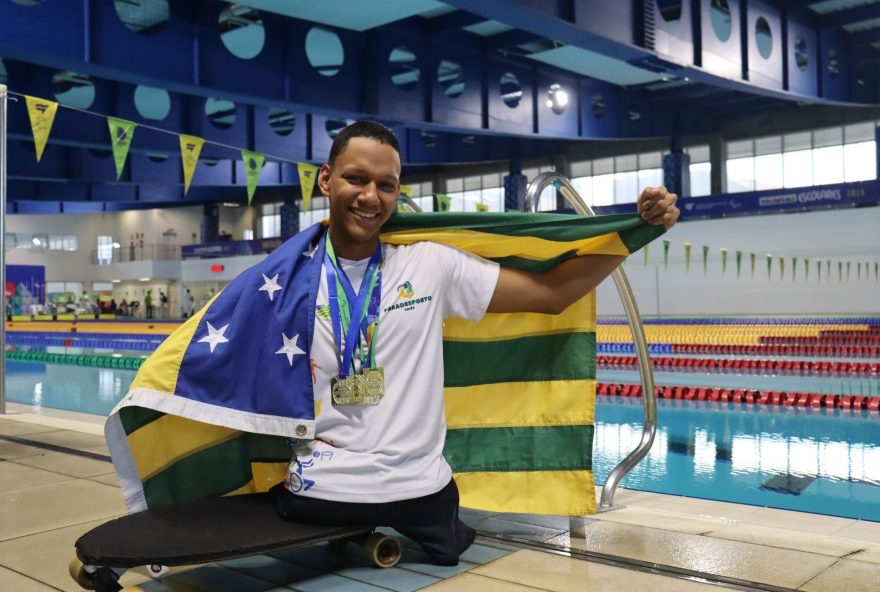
[{"x": 839, "y": 235}]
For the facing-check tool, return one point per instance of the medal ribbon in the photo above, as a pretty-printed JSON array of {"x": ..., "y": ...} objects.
[{"x": 345, "y": 304}]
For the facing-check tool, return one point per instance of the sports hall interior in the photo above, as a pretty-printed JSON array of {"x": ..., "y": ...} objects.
[{"x": 744, "y": 343}]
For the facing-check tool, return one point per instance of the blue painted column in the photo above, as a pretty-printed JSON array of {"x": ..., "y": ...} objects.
[
  {"x": 515, "y": 185},
  {"x": 289, "y": 218},
  {"x": 210, "y": 223},
  {"x": 676, "y": 170}
]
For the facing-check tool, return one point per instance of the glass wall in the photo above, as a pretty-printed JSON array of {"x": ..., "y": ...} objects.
[{"x": 840, "y": 154}]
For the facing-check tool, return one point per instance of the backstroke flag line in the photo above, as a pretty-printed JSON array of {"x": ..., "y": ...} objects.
[
  {"x": 190, "y": 149},
  {"x": 42, "y": 114},
  {"x": 308, "y": 174},
  {"x": 519, "y": 389},
  {"x": 121, "y": 133}
]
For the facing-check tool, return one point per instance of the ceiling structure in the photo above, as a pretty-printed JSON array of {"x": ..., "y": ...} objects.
[{"x": 460, "y": 81}]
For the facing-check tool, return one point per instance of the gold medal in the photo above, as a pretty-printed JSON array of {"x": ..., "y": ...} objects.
[
  {"x": 374, "y": 382},
  {"x": 340, "y": 390}
]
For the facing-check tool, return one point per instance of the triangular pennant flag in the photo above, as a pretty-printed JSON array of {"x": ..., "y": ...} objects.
[
  {"x": 806, "y": 268},
  {"x": 481, "y": 207},
  {"x": 739, "y": 258},
  {"x": 818, "y": 271},
  {"x": 848, "y": 265},
  {"x": 705, "y": 257},
  {"x": 876, "y": 270},
  {"x": 253, "y": 164},
  {"x": 828, "y": 270},
  {"x": 769, "y": 265},
  {"x": 859, "y": 270},
  {"x": 723, "y": 260},
  {"x": 406, "y": 190},
  {"x": 793, "y": 267},
  {"x": 687, "y": 257},
  {"x": 444, "y": 202},
  {"x": 666, "y": 244},
  {"x": 781, "y": 266},
  {"x": 121, "y": 133},
  {"x": 190, "y": 148},
  {"x": 308, "y": 174},
  {"x": 753, "y": 256},
  {"x": 645, "y": 255},
  {"x": 42, "y": 114},
  {"x": 840, "y": 271}
]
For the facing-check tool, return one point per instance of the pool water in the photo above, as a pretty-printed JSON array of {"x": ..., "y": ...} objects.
[{"x": 813, "y": 460}]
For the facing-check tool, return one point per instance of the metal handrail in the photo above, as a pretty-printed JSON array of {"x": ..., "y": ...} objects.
[{"x": 561, "y": 183}]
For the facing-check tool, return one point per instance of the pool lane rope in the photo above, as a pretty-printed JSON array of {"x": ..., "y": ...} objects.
[{"x": 86, "y": 360}]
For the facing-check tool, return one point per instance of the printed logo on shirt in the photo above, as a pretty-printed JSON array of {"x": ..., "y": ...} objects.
[
  {"x": 405, "y": 290},
  {"x": 323, "y": 312}
]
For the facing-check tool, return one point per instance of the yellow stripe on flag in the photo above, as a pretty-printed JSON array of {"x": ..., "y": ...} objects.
[
  {"x": 155, "y": 452},
  {"x": 578, "y": 317},
  {"x": 521, "y": 404},
  {"x": 265, "y": 476},
  {"x": 492, "y": 246},
  {"x": 530, "y": 492}
]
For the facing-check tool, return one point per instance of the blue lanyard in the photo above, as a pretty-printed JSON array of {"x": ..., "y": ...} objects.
[{"x": 355, "y": 303}]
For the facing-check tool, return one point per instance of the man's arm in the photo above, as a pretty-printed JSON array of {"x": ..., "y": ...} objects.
[{"x": 554, "y": 291}]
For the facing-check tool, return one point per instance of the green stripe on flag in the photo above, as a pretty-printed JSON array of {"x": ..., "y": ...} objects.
[
  {"x": 547, "y": 448},
  {"x": 531, "y": 265},
  {"x": 634, "y": 232},
  {"x": 558, "y": 356},
  {"x": 210, "y": 472},
  {"x": 265, "y": 448},
  {"x": 134, "y": 418}
]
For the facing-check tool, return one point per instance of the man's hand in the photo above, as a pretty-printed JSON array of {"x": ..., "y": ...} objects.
[{"x": 657, "y": 206}]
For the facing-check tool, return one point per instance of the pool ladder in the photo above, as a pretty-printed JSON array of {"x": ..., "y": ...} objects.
[{"x": 606, "y": 503}]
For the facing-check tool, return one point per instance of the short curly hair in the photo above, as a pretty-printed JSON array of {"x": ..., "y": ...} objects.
[{"x": 362, "y": 129}]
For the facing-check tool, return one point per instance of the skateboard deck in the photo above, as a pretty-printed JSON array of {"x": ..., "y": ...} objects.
[{"x": 203, "y": 531}]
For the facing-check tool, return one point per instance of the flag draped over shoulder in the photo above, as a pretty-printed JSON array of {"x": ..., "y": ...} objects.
[{"x": 210, "y": 412}]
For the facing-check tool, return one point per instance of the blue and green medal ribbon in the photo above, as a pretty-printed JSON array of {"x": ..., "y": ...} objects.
[{"x": 344, "y": 304}]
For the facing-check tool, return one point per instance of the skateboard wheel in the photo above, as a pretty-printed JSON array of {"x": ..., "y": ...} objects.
[
  {"x": 382, "y": 550},
  {"x": 79, "y": 574},
  {"x": 157, "y": 571}
]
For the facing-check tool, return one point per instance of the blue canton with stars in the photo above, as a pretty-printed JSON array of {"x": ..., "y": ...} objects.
[{"x": 250, "y": 351}]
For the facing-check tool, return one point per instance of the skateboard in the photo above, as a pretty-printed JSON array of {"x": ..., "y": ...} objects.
[{"x": 204, "y": 531}]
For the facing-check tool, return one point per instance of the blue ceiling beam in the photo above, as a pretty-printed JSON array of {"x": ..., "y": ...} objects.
[
  {"x": 850, "y": 16},
  {"x": 452, "y": 22}
]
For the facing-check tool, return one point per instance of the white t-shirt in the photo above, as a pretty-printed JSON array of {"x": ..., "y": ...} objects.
[{"x": 394, "y": 450}]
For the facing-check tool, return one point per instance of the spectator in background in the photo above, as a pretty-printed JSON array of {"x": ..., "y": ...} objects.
[
  {"x": 148, "y": 303},
  {"x": 163, "y": 305}
]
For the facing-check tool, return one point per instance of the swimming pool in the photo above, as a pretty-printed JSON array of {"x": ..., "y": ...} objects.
[{"x": 815, "y": 460}]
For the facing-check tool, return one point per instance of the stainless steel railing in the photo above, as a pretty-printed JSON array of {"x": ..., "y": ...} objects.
[{"x": 561, "y": 183}]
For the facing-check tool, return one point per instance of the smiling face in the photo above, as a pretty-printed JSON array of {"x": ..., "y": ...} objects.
[{"x": 363, "y": 186}]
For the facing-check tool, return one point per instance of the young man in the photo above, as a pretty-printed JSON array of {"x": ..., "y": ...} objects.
[{"x": 377, "y": 457}]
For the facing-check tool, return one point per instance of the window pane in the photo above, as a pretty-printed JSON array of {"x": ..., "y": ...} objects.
[
  {"x": 494, "y": 198},
  {"x": 603, "y": 190},
  {"x": 454, "y": 185},
  {"x": 698, "y": 153},
  {"x": 650, "y": 178},
  {"x": 768, "y": 145},
  {"x": 768, "y": 171},
  {"x": 860, "y": 161},
  {"x": 650, "y": 160},
  {"x": 859, "y": 132},
  {"x": 740, "y": 149},
  {"x": 740, "y": 175},
  {"x": 626, "y": 187},
  {"x": 583, "y": 168},
  {"x": 829, "y": 136},
  {"x": 797, "y": 168},
  {"x": 624, "y": 164},
  {"x": 603, "y": 166},
  {"x": 701, "y": 179},
  {"x": 797, "y": 142},
  {"x": 828, "y": 165},
  {"x": 584, "y": 187}
]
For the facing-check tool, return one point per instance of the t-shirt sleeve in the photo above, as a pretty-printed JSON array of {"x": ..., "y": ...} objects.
[{"x": 468, "y": 282}]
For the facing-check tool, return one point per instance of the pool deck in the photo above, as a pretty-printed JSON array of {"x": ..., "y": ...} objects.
[{"x": 48, "y": 498}]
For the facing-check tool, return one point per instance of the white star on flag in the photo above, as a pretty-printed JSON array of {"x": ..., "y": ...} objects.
[
  {"x": 290, "y": 348},
  {"x": 311, "y": 251},
  {"x": 215, "y": 336},
  {"x": 271, "y": 286}
]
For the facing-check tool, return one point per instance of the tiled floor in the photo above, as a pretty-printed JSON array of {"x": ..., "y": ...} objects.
[{"x": 49, "y": 498}]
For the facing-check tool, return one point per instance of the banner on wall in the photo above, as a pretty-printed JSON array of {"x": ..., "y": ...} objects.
[
  {"x": 42, "y": 115},
  {"x": 25, "y": 287},
  {"x": 308, "y": 174},
  {"x": 190, "y": 149},
  {"x": 121, "y": 133},
  {"x": 253, "y": 164}
]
